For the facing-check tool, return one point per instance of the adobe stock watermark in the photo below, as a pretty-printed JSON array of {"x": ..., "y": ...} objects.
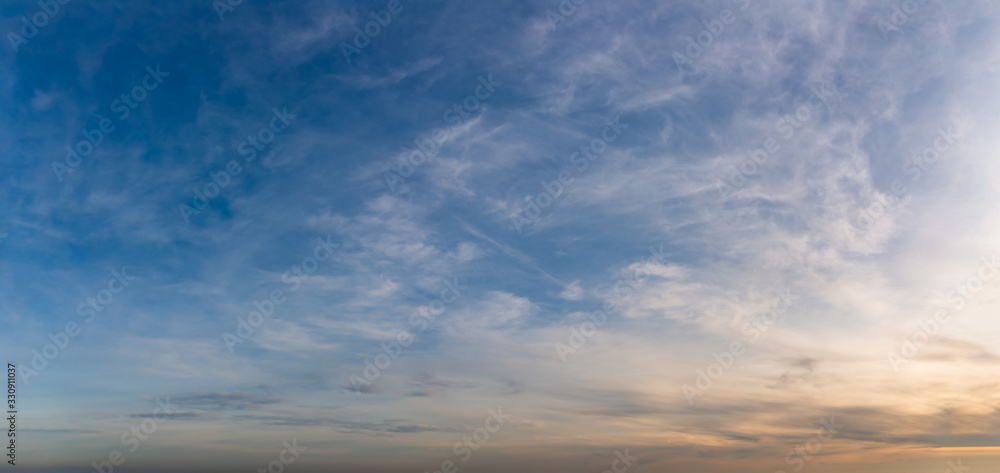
[
  {"x": 219, "y": 180},
  {"x": 123, "y": 105},
  {"x": 245, "y": 327},
  {"x": 713, "y": 372},
  {"x": 472, "y": 443},
  {"x": 713, "y": 30},
  {"x": 278, "y": 465},
  {"x": 562, "y": 11},
  {"x": 531, "y": 211},
  {"x": 758, "y": 324},
  {"x": 48, "y": 9},
  {"x": 930, "y": 327},
  {"x": 622, "y": 463},
  {"x": 421, "y": 320},
  {"x": 624, "y": 288},
  {"x": 12, "y": 414},
  {"x": 753, "y": 329},
  {"x": 901, "y": 14},
  {"x": 787, "y": 126},
  {"x": 427, "y": 148},
  {"x": 363, "y": 36},
  {"x": 915, "y": 167},
  {"x": 222, "y": 7},
  {"x": 135, "y": 435},
  {"x": 803, "y": 453},
  {"x": 88, "y": 310},
  {"x": 957, "y": 467}
]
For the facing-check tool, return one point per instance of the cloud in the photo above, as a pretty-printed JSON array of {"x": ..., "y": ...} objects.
[{"x": 224, "y": 401}]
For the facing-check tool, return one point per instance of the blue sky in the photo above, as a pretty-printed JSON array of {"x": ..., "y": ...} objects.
[{"x": 460, "y": 199}]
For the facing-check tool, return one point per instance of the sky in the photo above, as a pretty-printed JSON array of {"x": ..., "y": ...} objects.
[{"x": 440, "y": 236}]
